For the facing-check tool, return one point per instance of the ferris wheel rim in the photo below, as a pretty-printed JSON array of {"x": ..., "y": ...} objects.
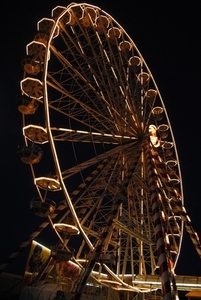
[{"x": 133, "y": 140}]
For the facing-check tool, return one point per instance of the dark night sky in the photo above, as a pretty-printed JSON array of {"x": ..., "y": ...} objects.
[{"x": 167, "y": 33}]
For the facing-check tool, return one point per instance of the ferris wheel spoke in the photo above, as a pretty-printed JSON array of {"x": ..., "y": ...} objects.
[
  {"x": 88, "y": 115},
  {"x": 93, "y": 161},
  {"x": 109, "y": 191},
  {"x": 65, "y": 134},
  {"x": 115, "y": 65},
  {"x": 92, "y": 201},
  {"x": 82, "y": 61},
  {"x": 102, "y": 182},
  {"x": 106, "y": 232},
  {"x": 110, "y": 97},
  {"x": 79, "y": 195}
]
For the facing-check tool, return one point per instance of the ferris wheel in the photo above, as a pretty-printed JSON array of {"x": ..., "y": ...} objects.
[{"x": 101, "y": 151}]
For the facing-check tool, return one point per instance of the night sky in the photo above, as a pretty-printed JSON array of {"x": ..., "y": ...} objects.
[{"x": 168, "y": 36}]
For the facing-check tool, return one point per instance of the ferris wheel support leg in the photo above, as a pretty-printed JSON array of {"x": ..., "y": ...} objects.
[
  {"x": 171, "y": 270},
  {"x": 95, "y": 254},
  {"x": 28, "y": 241},
  {"x": 45, "y": 272},
  {"x": 160, "y": 169},
  {"x": 176, "y": 198},
  {"x": 162, "y": 259}
]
